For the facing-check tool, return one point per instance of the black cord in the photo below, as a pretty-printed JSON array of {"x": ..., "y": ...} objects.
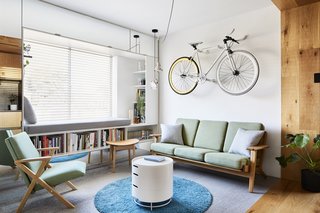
[{"x": 169, "y": 22}]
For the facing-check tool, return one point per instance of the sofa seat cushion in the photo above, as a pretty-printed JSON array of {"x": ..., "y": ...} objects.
[
  {"x": 192, "y": 153},
  {"x": 234, "y": 161},
  {"x": 166, "y": 148},
  {"x": 62, "y": 172}
]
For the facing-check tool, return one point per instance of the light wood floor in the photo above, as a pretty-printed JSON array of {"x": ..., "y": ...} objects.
[{"x": 287, "y": 196}]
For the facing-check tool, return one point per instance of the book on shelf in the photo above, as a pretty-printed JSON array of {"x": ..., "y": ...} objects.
[
  {"x": 116, "y": 134},
  {"x": 82, "y": 141},
  {"x": 47, "y": 141},
  {"x": 104, "y": 137},
  {"x": 140, "y": 134}
]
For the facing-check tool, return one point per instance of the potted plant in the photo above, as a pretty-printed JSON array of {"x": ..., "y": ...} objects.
[
  {"x": 13, "y": 102},
  {"x": 299, "y": 143}
]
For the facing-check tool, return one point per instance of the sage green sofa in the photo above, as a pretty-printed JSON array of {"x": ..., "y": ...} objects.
[{"x": 206, "y": 144}]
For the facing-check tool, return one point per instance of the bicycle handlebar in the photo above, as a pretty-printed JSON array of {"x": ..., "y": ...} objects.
[{"x": 228, "y": 38}]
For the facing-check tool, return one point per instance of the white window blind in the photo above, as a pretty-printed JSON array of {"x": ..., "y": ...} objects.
[
  {"x": 90, "y": 85},
  {"x": 64, "y": 84}
]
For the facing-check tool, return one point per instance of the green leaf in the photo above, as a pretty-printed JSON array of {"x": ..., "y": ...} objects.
[
  {"x": 316, "y": 141},
  {"x": 290, "y": 137},
  {"x": 292, "y": 158},
  {"x": 282, "y": 161},
  {"x": 301, "y": 140}
]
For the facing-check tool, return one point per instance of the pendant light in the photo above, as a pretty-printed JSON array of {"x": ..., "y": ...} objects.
[{"x": 156, "y": 64}]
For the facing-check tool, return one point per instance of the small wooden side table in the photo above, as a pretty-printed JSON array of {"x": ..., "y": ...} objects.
[{"x": 121, "y": 145}]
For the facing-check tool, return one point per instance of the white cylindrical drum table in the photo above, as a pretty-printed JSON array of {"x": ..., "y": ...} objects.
[{"x": 152, "y": 182}]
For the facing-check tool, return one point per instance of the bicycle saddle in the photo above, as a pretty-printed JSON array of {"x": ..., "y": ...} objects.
[{"x": 195, "y": 44}]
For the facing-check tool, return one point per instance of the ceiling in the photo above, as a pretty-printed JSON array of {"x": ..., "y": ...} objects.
[{"x": 144, "y": 15}]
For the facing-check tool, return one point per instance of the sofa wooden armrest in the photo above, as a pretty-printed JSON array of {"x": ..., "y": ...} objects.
[
  {"x": 256, "y": 148},
  {"x": 156, "y": 136}
]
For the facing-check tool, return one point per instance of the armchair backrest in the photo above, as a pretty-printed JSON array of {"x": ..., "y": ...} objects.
[
  {"x": 5, "y": 157},
  {"x": 21, "y": 147}
]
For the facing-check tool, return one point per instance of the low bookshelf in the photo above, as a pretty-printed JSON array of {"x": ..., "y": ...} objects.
[{"x": 91, "y": 140}]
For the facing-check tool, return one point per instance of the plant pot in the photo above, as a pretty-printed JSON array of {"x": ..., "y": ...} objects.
[
  {"x": 13, "y": 107},
  {"x": 310, "y": 180}
]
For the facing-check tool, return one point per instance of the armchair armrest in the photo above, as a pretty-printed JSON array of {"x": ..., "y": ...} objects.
[
  {"x": 48, "y": 148},
  {"x": 256, "y": 148},
  {"x": 27, "y": 160}
]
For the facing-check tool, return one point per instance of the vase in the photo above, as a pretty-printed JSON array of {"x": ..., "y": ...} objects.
[
  {"x": 310, "y": 180},
  {"x": 13, "y": 107}
]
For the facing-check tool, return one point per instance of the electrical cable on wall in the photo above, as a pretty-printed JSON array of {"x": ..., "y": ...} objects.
[{"x": 169, "y": 22}]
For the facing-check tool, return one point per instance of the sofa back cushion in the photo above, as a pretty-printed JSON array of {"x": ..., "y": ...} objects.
[
  {"x": 189, "y": 130},
  {"x": 233, "y": 128},
  {"x": 210, "y": 135}
]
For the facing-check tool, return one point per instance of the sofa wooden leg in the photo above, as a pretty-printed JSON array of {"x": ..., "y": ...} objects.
[{"x": 253, "y": 159}]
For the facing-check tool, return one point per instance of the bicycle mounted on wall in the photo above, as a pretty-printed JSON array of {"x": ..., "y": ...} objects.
[{"x": 236, "y": 73}]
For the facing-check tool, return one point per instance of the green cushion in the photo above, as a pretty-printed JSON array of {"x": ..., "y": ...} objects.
[
  {"x": 210, "y": 135},
  {"x": 192, "y": 153},
  {"x": 189, "y": 130},
  {"x": 233, "y": 128},
  {"x": 22, "y": 148},
  {"x": 5, "y": 156},
  {"x": 166, "y": 148},
  {"x": 229, "y": 160},
  {"x": 62, "y": 172}
]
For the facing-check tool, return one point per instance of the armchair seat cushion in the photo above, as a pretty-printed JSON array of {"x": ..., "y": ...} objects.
[
  {"x": 234, "y": 161},
  {"x": 166, "y": 148},
  {"x": 192, "y": 153},
  {"x": 62, "y": 172}
]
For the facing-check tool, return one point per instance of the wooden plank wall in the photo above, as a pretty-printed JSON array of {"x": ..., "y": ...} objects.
[{"x": 300, "y": 52}]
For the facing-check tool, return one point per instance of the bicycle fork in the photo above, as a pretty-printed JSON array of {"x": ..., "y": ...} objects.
[{"x": 233, "y": 65}]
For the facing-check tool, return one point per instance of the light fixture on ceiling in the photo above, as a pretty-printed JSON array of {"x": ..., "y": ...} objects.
[{"x": 156, "y": 63}]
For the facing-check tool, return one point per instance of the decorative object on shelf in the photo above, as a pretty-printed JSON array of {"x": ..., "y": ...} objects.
[
  {"x": 139, "y": 107},
  {"x": 26, "y": 54},
  {"x": 141, "y": 65},
  {"x": 13, "y": 102},
  {"x": 157, "y": 67},
  {"x": 310, "y": 177}
]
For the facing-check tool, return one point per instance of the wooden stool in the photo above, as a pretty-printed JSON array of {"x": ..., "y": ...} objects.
[{"x": 121, "y": 145}]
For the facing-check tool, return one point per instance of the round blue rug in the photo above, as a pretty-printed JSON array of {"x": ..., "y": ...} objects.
[
  {"x": 68, "y": 157},
  {"x": 188, "y": 197}
]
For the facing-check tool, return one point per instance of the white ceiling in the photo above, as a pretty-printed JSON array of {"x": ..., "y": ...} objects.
[{"x": 144, "y": 15}]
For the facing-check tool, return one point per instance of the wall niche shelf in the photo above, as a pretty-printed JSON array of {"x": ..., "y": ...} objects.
[{"x": 10, "y": 82}]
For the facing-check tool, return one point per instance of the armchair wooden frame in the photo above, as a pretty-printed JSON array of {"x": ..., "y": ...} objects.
[
  {"x": 35, "y": 176},
  {"x": 248, "y": 171}
]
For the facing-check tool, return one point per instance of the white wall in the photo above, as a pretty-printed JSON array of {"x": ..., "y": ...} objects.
[
  {"x": 124, "y": 93},
  {"x": 10, "y": 18},
  {"x": 45, "y": 17},
  {"x": 208, "y": 101}
]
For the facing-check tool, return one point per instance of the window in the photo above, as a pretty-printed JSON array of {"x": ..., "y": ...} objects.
[{"x": 64, "y": 83}]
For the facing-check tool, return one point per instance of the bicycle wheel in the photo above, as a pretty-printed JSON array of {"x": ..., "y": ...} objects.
[
  {"x": 241, "y": 80},
  {"x": 183, "y": 75}
]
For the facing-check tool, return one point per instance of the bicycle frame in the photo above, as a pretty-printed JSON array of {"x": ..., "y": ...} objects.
[{"x": 195, "y": 55}]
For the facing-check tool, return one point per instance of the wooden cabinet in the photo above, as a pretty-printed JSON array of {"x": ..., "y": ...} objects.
[
  {"x": 10, "y": 120},
  {"x": 10, "y": 83}
]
